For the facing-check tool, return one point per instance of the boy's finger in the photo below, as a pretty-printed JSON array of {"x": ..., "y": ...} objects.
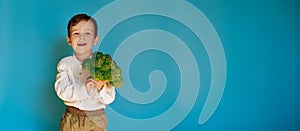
[
  {"x": 106, "y": 81},
  {"x": 94, "y": 81},
  {"x": 92, "y": 85},
  {"x": 90, "y": 77},
  {"x": 100, "y": 87},
  {"x": 91, "y": 82}
]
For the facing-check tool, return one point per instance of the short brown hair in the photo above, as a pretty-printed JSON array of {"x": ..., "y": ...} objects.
[{"x": 80, "y": 17}]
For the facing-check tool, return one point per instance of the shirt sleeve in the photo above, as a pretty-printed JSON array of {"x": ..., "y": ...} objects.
[
  {"x": 106, "y": 95},
  {"x": 64, "y": 87}
]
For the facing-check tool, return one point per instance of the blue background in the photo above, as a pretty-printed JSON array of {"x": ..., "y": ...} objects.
[{"x": 261, "y": 40}]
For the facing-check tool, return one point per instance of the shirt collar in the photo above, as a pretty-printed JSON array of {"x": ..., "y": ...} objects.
[{"x": 75, "y": 58}]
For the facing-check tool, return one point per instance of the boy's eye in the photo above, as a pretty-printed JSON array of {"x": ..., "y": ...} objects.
[
  {"x": 88, "y": 33},
  {"x": 76, "y": 34}
]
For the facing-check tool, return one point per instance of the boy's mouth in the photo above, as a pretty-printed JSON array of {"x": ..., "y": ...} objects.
[{"x": 81, "y": 44}]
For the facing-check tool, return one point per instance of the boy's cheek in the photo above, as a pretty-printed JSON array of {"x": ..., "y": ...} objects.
[{"x": 75, "y": 41}]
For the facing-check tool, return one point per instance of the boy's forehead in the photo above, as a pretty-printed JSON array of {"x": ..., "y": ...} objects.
[{"x": 83, "y": 25}]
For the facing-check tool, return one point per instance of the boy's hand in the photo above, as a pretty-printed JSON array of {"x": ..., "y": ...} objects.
[{"x": 92, "y": 83}]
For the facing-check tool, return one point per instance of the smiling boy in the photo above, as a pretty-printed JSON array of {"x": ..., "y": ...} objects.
[{"x": 84, "y": 97}]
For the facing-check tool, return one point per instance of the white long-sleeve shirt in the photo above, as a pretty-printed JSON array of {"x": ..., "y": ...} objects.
[{"x": 70, "y": 87}]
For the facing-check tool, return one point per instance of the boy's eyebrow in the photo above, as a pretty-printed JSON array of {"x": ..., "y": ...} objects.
[
  {"x": 72, "y": 30},
  {"x": 89, "y": 29}
]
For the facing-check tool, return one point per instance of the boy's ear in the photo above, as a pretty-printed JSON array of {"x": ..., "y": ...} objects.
[
  {"x": 68, "y": 40},
  {"x": 96, "y": 40}
]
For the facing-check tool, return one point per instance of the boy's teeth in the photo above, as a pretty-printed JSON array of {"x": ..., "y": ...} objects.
[{"x": 81, "y": 44}]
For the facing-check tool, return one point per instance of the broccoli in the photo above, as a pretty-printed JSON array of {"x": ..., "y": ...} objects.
[
  {"x": 87, "y": 64},
  {"x": 103, "y": 67}
]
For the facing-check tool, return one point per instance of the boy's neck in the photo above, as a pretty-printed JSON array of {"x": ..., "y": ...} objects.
[{"x": 82, "y": 57}]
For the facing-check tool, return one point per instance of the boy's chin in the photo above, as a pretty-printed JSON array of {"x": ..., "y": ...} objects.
[{"x": 83, "y": 52}]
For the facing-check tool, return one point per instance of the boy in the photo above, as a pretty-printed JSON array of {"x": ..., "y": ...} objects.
[{"x": 84, "y": 97}]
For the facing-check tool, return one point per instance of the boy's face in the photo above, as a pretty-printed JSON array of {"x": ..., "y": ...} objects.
[{"x": 82, "y": 37}]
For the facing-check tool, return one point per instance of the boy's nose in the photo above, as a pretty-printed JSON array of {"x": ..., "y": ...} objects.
[{"x": 81, "y": 36}]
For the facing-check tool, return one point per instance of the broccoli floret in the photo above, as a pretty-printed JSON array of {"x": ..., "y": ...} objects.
[
  {"x": 107, "y": 75},
  {"x": 118, "y": 82},
  {"x": 97, "y": 55},
  {"x": 93, "y": 73},
  {"x": 105, "y": 67},
  {"x": 87, "y": 64},
  {"x": 98, "y": 63},
  {"x": 117, "y": 71},
  {"x": 103, "y": 57},
  {"x": 99, "y": 74},
  {"x": 113, "y": 65}
]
